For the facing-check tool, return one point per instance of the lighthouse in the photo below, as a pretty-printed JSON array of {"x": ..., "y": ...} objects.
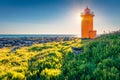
[{"x": 87, "y": 24}]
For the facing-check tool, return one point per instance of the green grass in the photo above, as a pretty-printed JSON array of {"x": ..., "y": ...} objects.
[{"x": 100, "y": 60}]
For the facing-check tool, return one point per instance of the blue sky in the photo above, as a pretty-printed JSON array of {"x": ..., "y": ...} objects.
[{"x": 56, "y": 16}]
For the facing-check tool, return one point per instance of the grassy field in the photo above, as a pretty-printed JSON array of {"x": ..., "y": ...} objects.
[{"x": 100, "y": 60}]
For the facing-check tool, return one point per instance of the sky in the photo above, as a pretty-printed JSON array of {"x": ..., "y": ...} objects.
[{"x": 56, "y": 16}]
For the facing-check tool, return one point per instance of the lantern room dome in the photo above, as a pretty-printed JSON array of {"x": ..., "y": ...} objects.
[{"x": 87, "y": 10}]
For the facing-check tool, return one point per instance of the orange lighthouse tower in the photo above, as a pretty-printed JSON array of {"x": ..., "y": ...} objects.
[{"x": 87, "y": 24}]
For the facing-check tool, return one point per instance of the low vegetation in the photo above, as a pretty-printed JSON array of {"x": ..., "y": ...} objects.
[{"x": 100, "y": 60}]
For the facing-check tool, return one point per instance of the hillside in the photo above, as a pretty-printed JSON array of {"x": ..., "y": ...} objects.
[{"x": 100, "y": 60}]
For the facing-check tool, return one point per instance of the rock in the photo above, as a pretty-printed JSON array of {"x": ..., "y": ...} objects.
[{"x": 77, "y": 50}]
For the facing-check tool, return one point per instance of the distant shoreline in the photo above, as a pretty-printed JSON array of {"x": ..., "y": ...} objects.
[
  {"x": 10, "y": 40},
  {"x": 39, "y": 35},
  {"x": 23, "y": 40},
  {"x": 35, "y": 35}
]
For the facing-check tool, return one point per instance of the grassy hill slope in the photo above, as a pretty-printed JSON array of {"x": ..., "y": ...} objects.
[{"x": 100, "y": 60}]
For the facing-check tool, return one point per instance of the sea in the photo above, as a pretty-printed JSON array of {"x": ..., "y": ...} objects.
[{"x": 36, "y": 35}]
